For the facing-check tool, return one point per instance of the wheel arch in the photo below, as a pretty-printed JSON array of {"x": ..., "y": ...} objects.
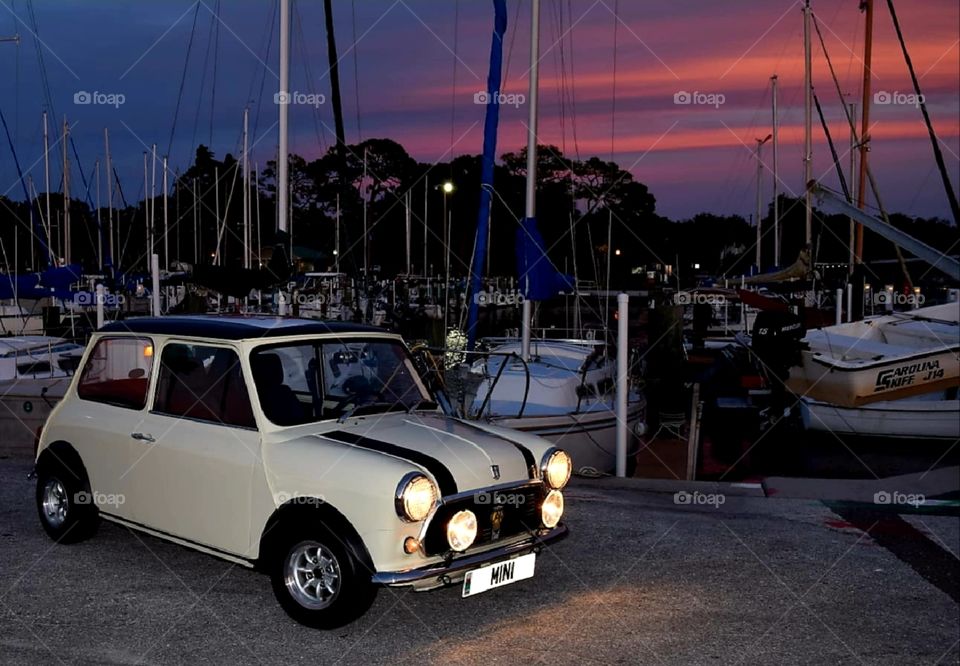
[
  {"x": 300, "y": 513},
  {"x": 62, "y": 454}
]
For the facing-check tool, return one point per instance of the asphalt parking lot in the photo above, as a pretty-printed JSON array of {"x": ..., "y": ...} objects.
[{"x": 642, "y": 579}]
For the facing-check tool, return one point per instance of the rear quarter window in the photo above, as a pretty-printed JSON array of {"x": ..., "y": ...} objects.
[{"x": 117, "y": 372}]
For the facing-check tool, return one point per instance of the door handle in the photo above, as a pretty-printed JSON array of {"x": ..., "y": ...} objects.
[{"x": 142, "y": 436}]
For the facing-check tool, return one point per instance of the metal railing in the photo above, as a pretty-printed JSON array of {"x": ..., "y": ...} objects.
[{"x": 455, "y": 378}]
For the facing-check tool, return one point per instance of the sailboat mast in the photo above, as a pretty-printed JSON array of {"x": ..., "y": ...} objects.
[
  {"x": 66, "y": 193},
  {"x": 96, "y": 168},
  {"x": 426, "y": 196},
  {"x": 853, "y": 183},
  {"x": 336, "y": 240},
  {"x": 196, "y": 229},
  {"x": 282, "y": 191},
  {"x": 216, "y": 208},
  {"x": 334, "y": 62},
  {"x": 776, "y": 174},
  {"x": 146, "y": 209},
  {"x": 246, "y": 190},
  {"x": 406, "y": 201},
  {"x": 530, "y": 208},
  {"x": 256, "y": 179},
  {"x": 166, "y": 228},
  {"x": 153, "y": 200},
  {"x": 106, "y": 147},
  {"x": 33, "y": 198},
  {"x": 760, "y": 143},
  {"x": 366, "y": 238},
  {"x": 867, "y": 6},
  {"x": 46, "y": 175},
  {"x": 807, "y": 124}
]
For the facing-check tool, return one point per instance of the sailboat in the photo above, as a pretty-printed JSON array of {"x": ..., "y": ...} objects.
[{"x": 562, "y": 390}]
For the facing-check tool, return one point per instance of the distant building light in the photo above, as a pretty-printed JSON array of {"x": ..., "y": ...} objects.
[{"x": 696, "y": 266}]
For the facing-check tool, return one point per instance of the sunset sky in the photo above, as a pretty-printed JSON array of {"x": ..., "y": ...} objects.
[{"x": 694, "y": 158}]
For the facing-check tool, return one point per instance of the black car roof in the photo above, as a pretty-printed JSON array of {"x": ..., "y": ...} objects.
[{"x": 233, "y": 327}]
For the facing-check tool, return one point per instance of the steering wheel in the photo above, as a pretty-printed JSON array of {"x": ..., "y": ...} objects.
[{"x": 359, "y": 391}]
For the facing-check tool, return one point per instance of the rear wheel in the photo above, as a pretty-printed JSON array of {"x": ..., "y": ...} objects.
[
  {"x": 318, "y": 581},
  {"x": 65, "y": 504}
]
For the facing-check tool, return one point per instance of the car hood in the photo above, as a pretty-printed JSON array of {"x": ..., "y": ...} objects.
[{"x": 459, "y": 455}]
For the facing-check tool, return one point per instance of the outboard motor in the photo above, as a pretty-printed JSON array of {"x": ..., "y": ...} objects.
[{"x": 776, "y": 342}]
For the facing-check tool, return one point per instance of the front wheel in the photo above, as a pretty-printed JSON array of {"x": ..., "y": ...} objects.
[
  {"x": 318, "y": 582},
  {"x": 65, "y": 505}
]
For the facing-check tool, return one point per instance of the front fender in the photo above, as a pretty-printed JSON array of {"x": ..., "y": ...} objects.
[{"x": 358, "y": 483}]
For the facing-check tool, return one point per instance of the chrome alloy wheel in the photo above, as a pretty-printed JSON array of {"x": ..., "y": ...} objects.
[
  {"x": 55, "y": 502},
  {"x": 312, "y": 575}
]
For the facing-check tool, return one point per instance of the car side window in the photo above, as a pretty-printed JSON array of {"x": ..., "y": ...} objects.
[
  {"x": 204, "y": 383},
  {"x": 117, "y": 372}
]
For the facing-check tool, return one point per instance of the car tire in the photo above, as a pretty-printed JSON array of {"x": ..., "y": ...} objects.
[
  {"x": 65, "y": 504},
  {"x": 318, "y": 580}
]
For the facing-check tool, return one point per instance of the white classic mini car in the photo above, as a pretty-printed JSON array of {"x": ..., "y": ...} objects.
[{"x": 312, "y": 451}]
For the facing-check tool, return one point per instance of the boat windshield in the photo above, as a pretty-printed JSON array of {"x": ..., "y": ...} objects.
[{"x": 321, "y": 379}]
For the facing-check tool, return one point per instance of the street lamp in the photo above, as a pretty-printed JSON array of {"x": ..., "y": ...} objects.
[
  {"x": 760, "y": 143},
  {"x": 447, "y": 188}
]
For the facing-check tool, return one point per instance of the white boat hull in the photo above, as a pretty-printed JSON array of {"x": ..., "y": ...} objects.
[
  {"x": 589, "y": 437},
  {"x": 24, "y": 408},
  {"x": 914, "y": 419}
]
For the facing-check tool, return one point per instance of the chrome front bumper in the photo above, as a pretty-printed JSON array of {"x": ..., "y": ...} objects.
[{"x": 442, "y": 574}]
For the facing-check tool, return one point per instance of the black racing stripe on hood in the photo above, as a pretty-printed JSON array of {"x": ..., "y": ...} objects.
[
  {"x": 528, "y": 459},
  {"x": 448, "y": 485}
]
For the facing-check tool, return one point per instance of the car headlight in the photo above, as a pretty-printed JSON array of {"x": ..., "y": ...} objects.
[
  {"x": 462, "y": 530},
  {"x": 416, "y": 495},
  {"x": 552, "y": 508},
  {"x": 556, "y": 467}
]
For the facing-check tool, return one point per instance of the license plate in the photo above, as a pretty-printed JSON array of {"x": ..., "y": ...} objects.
[{"x": 498, "y": 574}]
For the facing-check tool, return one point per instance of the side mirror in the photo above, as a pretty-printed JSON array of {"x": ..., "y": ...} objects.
[{"x": 429, "y": 370}]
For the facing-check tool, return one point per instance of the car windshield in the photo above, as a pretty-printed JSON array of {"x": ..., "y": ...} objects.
[{"x": 316, "y": 380}]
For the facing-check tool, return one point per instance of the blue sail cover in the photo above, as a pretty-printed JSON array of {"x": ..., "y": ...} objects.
[
  {"x": 54, "y": 282},
  {"x": 18, "y": 285},
  {"x": 539, "y": 280},
  {"x": 490, "y": 123}
]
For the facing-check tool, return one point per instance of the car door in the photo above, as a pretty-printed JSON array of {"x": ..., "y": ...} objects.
[
  {"x": 200, "y": 449},
  {"x": 112, "y": 393}
]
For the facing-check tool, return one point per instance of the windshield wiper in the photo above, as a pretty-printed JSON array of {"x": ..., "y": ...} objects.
[
  {"x": 422, "y": 404},
  {"x": 367, "y": 405}
]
